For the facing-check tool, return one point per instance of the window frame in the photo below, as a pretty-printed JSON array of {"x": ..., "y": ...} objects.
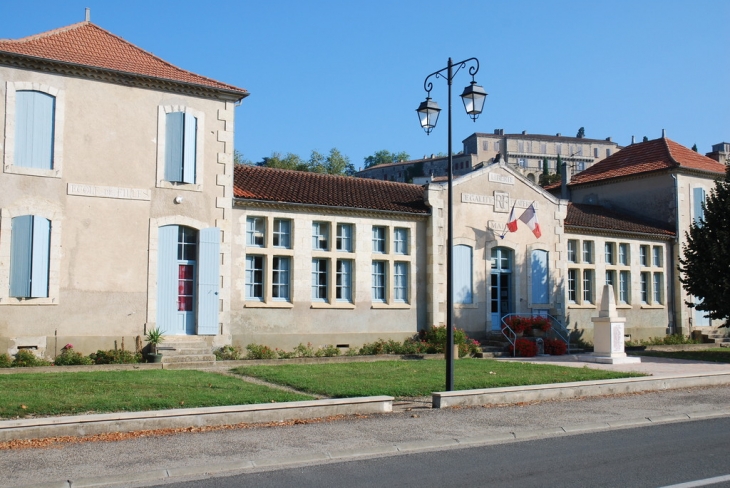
[
  {"x": 379, "y": 281},
  {"x": 344, "y": 241},
  {"x": 321, "y": 233},
  {"x": 572, "y": 251},
  {"x": 400, "y": 282},
  {"x": 280, "y": 235},
  {"x": 401, "y": 241},
  {"x": 199, "y": 115},
  {"x": 253, "y": 233},
  {"x": 277, "y": 283},
  {"x": 343, "y": 280},
  {"x": 379, "y": 242},
  {"x": 250, "y": 278}
]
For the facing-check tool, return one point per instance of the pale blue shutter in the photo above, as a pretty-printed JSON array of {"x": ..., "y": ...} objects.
[
  {"x": 209, "y": 258},
  {"x": 540, "y": 289},
  {"x": 41, "y": 255},
  {"x": 21, "y": 247},
  {"x": 34, "y": 119},
  {"x": 167, "y": 278},
  {"x": 189, "y": 148},
  {"x": 462, "y": 274},
  {"x": 174, "y": 146},
  {"x": 698, "y": 195}
]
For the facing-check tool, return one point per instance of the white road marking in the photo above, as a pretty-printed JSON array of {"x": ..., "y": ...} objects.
[{"x": 705, "y": 482}]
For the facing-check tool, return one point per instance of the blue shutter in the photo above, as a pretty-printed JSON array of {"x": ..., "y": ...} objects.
[
  {"x": 698, "y": 195},
  {"x": 41, "y": 256},
  {"x": 209, "y": 257},
  {"x": 34, "y": 129},
  {"x": 540, "y": 288},
  {"x": 21, "y": 246},
  {"x": 167, "y": 278},
  {"x": 174, "y": 146},
  {"x": 462, "y": 274},
  {"x": 189, "y": 148}
]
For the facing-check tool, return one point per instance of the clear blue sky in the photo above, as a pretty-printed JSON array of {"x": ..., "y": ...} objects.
[{"x": 349, "y": 75}]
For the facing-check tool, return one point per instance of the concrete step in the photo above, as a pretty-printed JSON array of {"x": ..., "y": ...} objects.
[
  {"x": 191, "y": 358},
  {"x": 182, "y": 352},
  {"x": 189, "y": 365}
]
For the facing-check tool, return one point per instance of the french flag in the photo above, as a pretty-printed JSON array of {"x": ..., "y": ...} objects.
[
  {"x": 529, "y": 217},
  {"x": 512, "y": 223}
]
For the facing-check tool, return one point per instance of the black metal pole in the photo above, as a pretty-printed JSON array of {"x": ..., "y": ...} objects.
[{"x": 449, "y": 254}]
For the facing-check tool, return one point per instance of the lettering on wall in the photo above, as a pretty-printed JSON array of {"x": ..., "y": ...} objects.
[
  {"x": 108, "y": 192},
  {"x": 506, "y": 179},
  {"x": 501, "y": 202}
]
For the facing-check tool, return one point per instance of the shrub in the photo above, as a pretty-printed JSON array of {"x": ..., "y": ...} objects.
[
  {"x": 115, "y": 356},
  {"x": 228, "y": 353},
  {"x": 69, "y": 357},
  {"x": 327, "y": 351},
  {"x": 517, "y": 324},
  {"x": 283, "y": 354},
  {"x": 434, "y": 340},
  {"x": 256, "y": 351},
  {"x": 302, "y": 351},
  {"x": 554, "y": 347},
  {"x": 541, "y": 323},
  {"x": 26, "y": 359},
  {"x": 525, "y": 348},
  {"x": 5, "y": 361}
]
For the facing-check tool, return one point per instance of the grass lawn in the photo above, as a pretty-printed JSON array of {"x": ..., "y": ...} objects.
[
  {"x": 715, "y": 355},
  {"x": 416, "y": 378},
  {"x": 43, "y": 394}
]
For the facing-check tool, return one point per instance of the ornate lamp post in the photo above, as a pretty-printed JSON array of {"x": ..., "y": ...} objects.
[{"x": 428, "y": 112}]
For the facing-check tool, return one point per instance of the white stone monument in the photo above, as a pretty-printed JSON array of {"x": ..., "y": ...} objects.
[{"x": 608, "y": 333}]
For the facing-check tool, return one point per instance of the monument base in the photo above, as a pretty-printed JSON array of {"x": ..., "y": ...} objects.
[{"x": 610, "y": 360}]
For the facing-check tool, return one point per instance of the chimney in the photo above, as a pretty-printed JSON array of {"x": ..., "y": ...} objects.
[
  {"x": 608, "y": 139},
  {"x": 633, "y": 140},
  {"x": 524, "y": 132},
  {"x": 498, "y": 132},
  {"x": 558, "y": 134},
  {"x": 664, "y": 134},
  {"x": 88, "y": 14}
]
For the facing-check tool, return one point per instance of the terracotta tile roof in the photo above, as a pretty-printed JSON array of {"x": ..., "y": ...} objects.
[
  {"x": 280, "y": 185},
  {"x": 89, "y": 45},
  {"x": 645, "y": 157},
  {"x": 595, "y": 217}
]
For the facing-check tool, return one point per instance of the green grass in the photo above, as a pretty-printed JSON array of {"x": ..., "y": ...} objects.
[
  {"x": 416, "y": 378},
  {"x": 45, "y": 394},
  {"x": 715, "y": 355}
]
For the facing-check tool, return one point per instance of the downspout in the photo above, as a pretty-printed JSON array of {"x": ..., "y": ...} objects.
[{"x": 673, "y": 268}]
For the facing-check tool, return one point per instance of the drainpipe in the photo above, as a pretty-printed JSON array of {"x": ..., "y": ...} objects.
[
  {"x": 672, "y": 266},
  {"x": 564, "y": 182}
]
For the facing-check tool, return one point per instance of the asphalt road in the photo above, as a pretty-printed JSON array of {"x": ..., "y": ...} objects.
[{"x": 650, "y": 457}]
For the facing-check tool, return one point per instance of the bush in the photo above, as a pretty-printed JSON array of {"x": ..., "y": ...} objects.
[
  {"x": 525, "y": 348},
  {"x": 256, "y": 351},
  {"x": 327, "y": 351},
  {"x": 69, "y": 357},
  {"x": 669, "y": 340},
  {"x": 435, "y": 341},
  {"x": 115, "y": 356},
  {"x": 554, "y": 347},
  {"x": 228, "y": 353},
  {"x": 5, "y": 361},
  {"x": 26, "y": 359},
  {"x": 302, "y": 351}
]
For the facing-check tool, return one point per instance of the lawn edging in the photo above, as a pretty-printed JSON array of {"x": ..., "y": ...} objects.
[
  {"x": 577, "y": 389},
  {"x": 81, "y": 425}
]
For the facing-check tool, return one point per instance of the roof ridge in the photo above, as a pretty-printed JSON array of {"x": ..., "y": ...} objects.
[
  {"x": 322, "y": 175},
  {"x": 666, "y": 140},
  {"x": 49, "y": 33}
]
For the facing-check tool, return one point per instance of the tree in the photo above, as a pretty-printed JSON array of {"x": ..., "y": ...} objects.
[
  {"x": 705, "y": 268},
  {"x": 581, "y": 133},
  {"x": 239, "y": 159},
  {"x": 545, "y": 167},
  {"x": 645, "y": 139},
  {"x": 288, "y": 161},
  {"x": 694, "y": 148},
  {"x": 335, "y": 163},
  {"x": 385, "y": 157}
]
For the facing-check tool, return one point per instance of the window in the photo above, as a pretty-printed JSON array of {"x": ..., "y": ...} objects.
[
  {"x": 587, "y": 286},
  {"x": 280, "y": 278},
  {"x": 34, "y": 129},
  {"x": 378, "y": 281},
  {"x": 400, "y": 285},
  {"x": 540, "y": 280},
  {"x": 522, "y": 162},
  {"x": 572, "y": 285},
  {"x": 657, "y": 288},
  {"x": 344, "y": 280},
  {"x": 255, "y": 231},
  {"x": 611, "y": 277},
  {"x": 657, "y": 256},
  {"x": 572, "y": 250},
  {"x": 463, "y": 274},
  {"x": 609, "y": 252},
  {"x": 282, "y": 233},
  {"x": 608, "y": 152},
  {"x": 344, "y": 237},
  {"x": 400, "y": 240},
  {"x": 320, "y": 236},
  {"x": 698, "y": 205},
  {"x": 595, "y": 152},
  {"x": 644, "y": 287},
  {"x": 543, "y": 147},
  {"x": 319, "y": 280},
  {"x": 644, "y": 255},
  {"x": 496, "y": 146},
  {"x": 623, "y": 287},
  {"x": 558, "y": 148},
  {"x": 623, "y": 254},
  {"x": 580, "y": 166},
  {"x": 181, "y": 132},
  {"x": 29, "y": 256},
  {"x": 588, "y": 252},
  {"x": 254, "y": 277},
  {"x": 521, "y": 146},
  {"x": 378, "y": 239}
]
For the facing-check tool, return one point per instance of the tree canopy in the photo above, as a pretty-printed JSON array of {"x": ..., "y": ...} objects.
[
  {"x": 581, "y": 133},
  {"x": 385, "y": 157},
  {"x": 333, "y": 163},
  {"x": 705, "y": 268}
]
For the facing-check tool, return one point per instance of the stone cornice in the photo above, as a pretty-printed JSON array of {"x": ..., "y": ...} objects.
[
  {"x": 317, "y": 209},
  {"x": 574, "y": 229}
]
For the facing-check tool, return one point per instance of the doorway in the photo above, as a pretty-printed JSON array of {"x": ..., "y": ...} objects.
[{"x": 500, "y": 286}]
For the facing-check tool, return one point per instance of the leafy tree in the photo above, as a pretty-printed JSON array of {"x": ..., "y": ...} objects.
[
  {"x": 581, "y": 133},
  {"x": 334, "y": 163},
  {"x": 694, "y": 148},
  {"x": 385, "y": 157},
  {"x": 238, "y": 158},
  {"x": 337, "y": 163},
  {"x": 705, "y": 268},
  {"x": 288, "y": 161}
]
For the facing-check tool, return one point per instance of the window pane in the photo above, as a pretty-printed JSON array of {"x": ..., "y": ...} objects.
[
  {"x": 344, "y": 237},
  {"x": 282, "y": 233},
  {"x": 379, "y": 239},
  {"x": 320, "y": 236},
  {"x": 400, "y": 241},
  {"x": 400, "y": 285},
  {"x": 254, "y": 277},
  {"x": 378, "y": 288},
  {"x": 319, "y": 279},
  {"x": 344, "y": 280}
]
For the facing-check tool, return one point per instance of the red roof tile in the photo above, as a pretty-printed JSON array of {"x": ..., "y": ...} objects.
[
  {"x": 280, "y": 185},
  {"x": 595, "y": 217},
  {"x": 644, "y": 157},
  {"x": 89, "y": 45}
]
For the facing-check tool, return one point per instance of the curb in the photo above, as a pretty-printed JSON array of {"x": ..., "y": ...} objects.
[{"x": 373, "y": 451}]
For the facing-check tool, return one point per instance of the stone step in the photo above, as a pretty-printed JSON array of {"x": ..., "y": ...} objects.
[
  {"x": 191, "y": 358},
  {"x": 169, "y": 351},
  {"x": 189, "y": 365}
]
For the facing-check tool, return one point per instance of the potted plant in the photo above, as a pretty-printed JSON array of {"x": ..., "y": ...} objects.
[
  {"x": 518, "y": 324},
  {"x": 155, "y": 337},
  {"x": 540, "y": 326}
]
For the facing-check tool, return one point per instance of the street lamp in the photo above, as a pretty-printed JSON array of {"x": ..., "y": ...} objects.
[{"x": 428, "y": 112}]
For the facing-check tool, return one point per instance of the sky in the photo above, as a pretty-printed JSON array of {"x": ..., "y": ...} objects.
[{"x": 349, "y": 75}]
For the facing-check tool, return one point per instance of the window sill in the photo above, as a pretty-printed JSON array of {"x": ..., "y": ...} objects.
[
  {"x": 580, "y": 305},
  {"x": 466, "y": 305},
  {"x": 624, "y": 306},
  {"x": 337, "y": 305},
  {"x": 268, "y": 305},
  {"x": 27, "y": 301},
  {"x": 649, "y": 306},
  {"x": 21, "y": 170},
  {"x": 392, "y": 306},
  {"x": 179, "y": 186}
]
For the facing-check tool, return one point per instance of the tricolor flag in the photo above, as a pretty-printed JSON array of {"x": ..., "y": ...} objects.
[
  {"x": 512, "y": 222},
  {"x": 529, "y": 217}
]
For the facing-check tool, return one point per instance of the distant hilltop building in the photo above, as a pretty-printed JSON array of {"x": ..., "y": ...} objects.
[
  {"x": 525, "y": 152},
  {"x": 720, "y": 152}
]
